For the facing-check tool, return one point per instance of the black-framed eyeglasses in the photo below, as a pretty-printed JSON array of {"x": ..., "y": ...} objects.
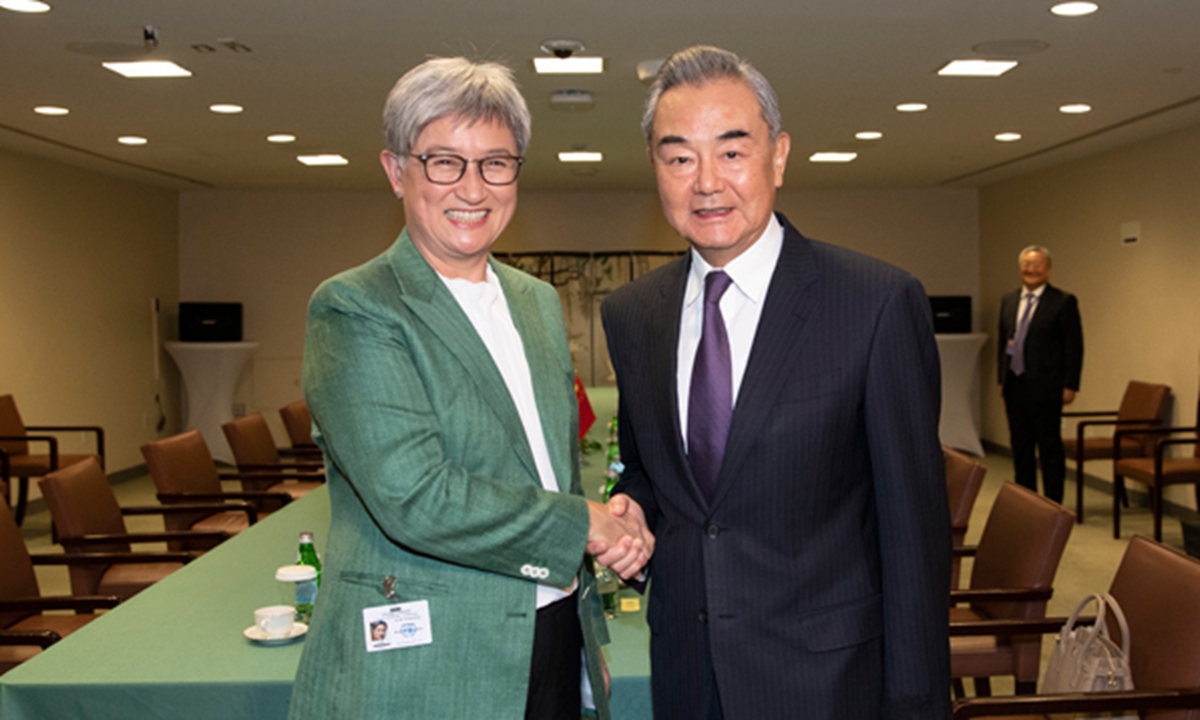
[{"x": 447, "y": 169}]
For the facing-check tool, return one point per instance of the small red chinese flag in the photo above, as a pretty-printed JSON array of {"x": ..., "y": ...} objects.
[{"x": 587, "y": 416}]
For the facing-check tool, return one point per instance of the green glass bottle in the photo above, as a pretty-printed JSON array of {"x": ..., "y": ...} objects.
[{"x": 308, "y": 554}]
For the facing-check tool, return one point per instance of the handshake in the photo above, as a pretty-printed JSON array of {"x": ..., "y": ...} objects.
[{"x": 618, "y": 537}]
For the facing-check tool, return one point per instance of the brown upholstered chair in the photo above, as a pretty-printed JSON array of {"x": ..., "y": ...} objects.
[
  {"x": 260, "y": 464},
  {"x": 964, "y": 477},
  {"x": 24, "y": 629},
  {"x": 87, "y": 519},
  {"x": 1157, "y": 470},
  {"x": 298, "y": 423},
  {"x": 15, "y": 438},
  {"x": 1159, "y": 592},
  {"x": 1012, "y": 577},
  {"x": 184, "y": 473},
  {"x": 1142, "y": 406}
]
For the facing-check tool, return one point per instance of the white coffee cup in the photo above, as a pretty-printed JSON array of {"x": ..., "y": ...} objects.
[{"x": 275, "y": 621}]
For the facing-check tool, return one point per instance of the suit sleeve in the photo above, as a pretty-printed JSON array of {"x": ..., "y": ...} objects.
[
  {"x": 1072, "y": 328},
  {"x": 1005, "y": 332},
  {"x": 378, "y": 426},
  {"x": 902, "y": 408}
]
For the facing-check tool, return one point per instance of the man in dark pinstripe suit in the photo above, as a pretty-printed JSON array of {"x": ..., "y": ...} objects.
[{"x": 778, "y": 417}]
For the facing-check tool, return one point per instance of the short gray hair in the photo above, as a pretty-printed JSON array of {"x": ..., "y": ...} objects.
[
  {"x": 1037, "y": 249},
  {"x": 701, "y": 64},
  {"x": 455, "y": 87}
]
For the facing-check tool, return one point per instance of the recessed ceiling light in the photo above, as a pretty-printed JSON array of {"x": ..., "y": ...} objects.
[
  {"x": 868, "y": 135},
  {"x": 573, "y": 65},
  {"x": 976, "y": 68},
  {"x": 226, "y": 108},
  {"x": 832, "y": 157},
  {"x": 148, "y": 69},
  {"x": 1075, "y": 109},
  {"x": 281, "y": 138},
  {"x": 1074, "y": 9},
  {"x": 1008, "y": 136},
  {"x": 25, "y": 6},
  {"x": 132, "y": 140},
  {"x": 326, "y": 159},
  {"x": 580, "y": 156},
  {"x": 912, "y": 107},
  {"x": 50, "y": 110}
]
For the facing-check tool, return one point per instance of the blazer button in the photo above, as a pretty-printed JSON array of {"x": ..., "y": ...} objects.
[
  {"x": 702, "y": 616},
  {"x": 713, "y": 531}
]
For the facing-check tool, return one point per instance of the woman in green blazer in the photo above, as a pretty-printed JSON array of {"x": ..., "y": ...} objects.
[{"x": 441, "y": 389}]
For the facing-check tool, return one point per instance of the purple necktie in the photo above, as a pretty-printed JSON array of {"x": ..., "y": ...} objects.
[
  {"x": 1017, "y": 364},
  {"x": 710, "y": 401}
]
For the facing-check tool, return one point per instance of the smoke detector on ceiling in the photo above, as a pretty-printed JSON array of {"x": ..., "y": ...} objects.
[{"x": 571, "y": 100}]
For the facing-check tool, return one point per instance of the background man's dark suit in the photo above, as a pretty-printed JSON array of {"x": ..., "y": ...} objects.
[
  {"x": 1034, "y": 401},
  {"x": 815, "y": 583}
]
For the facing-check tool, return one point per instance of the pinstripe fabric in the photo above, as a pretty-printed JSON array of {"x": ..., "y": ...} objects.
[
  {"x": 431, "y": 481},
  {"x": 814, "y": 584}
]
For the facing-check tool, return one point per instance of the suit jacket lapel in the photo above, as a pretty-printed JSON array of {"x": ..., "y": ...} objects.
[
  {"x": 664, "y": 318},
  {"x": 780, "y": 327},
  {"x": 427, "y": 297},
  {"x": 544, "y": 371}
]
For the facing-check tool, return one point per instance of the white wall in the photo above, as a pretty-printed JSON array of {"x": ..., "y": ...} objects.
[
  {"x": 81, "y": 257},
  {"x": 1140, "y": 304}
]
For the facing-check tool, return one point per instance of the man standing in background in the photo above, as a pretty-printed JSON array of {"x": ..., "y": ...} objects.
[
  {"x": 1039, "y": 362},
  {"x": 779, "y": 404}
]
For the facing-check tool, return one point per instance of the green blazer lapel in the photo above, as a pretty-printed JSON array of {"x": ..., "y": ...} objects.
[
  {"x": 546, "y": 371},
  {"x": 427, "y": 297}
]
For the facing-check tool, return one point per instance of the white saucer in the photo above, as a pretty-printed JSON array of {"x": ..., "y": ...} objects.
[{"x": 260, "y": 637}]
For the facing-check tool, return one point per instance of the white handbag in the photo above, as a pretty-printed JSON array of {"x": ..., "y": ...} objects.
[{"x": 1085, "y": 659}]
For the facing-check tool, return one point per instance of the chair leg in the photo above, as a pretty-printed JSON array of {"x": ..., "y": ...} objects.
[
  {"x": 1079, "y": 483},
  {"x": 1156, "y": 499},
  {"x": 22, "y": 500},
  {"x": 1026, "y": 687},
  {"x": 983, "y": 687},
  {"x": 960, "y": 691},
  {"x": 1118, "y": 490}
]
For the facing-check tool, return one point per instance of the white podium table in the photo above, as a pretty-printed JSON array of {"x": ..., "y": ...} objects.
[
  {"x": 959, "y": 424},
  {"x": 210, "y": 373}
]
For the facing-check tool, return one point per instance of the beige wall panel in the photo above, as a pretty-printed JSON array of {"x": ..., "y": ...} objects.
[{"x": 82, "y": 256}]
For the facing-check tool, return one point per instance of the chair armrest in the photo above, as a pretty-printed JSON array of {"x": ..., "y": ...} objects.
[
  {"x": 1000, "y": 595},
  {"x": 118, "y": 558},
  {"x": 60, "y": 602},
  {"x": 94, "y": 429},
  {"x": 40, "y": 638},
  {"x": 1145, "y": 431},
  {"x": 1077, "y": 703},
  {"x": 146, "y": 537},
  {"x": 1089, "y": 413},
  {"x": 1041, "y": 626},
  {"x": 282, "y": 497},
  {"x": 49, "y": 439},
  {"x": 216, "y": 507}
]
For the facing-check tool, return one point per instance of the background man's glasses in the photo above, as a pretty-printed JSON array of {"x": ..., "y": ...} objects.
[{"x": 446, "y": 169}]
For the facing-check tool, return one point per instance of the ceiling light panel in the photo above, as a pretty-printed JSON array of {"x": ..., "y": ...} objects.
[
  {"x": 868, "y": 135},
  {"x": 148, "y": 69},
  {"x": 976, "y": 68},
  {"x": 579, "y": 156},
  {"x": 226, "y": 108},
  {"x": 568, "y": 66},
  {"x": 1075, "y": 109},
  {"x": 912, "y": 107},
  {"x": 324, "y": 160},
  {"x": 832, "y": 157},
  {"x": 25, "y": 6},
  {"x": 1008, "y": 136},
  {"x": 50, "y": 110},
  {"x": 1074, "y": 9},
  {"x": 281, "y": 138},
  {"x": 132, "y": 140}
]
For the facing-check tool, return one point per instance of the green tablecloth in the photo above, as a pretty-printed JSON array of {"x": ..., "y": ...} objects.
[{"x": 176, "y": 650}]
